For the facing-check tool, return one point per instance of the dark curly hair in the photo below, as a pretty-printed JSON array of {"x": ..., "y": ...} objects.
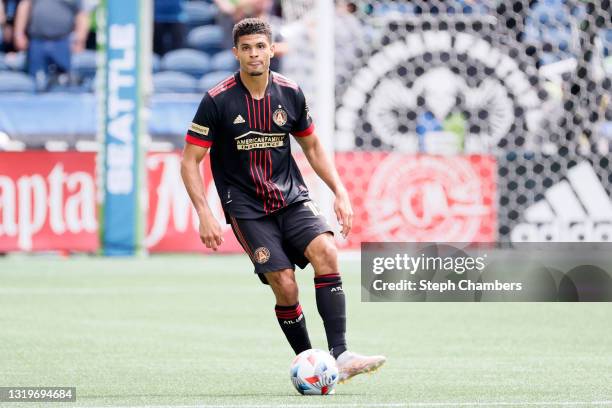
[{"x": 250, "y": 26}]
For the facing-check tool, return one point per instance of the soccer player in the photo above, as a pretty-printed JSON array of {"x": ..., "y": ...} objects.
[{"x": 245, "y": 121}]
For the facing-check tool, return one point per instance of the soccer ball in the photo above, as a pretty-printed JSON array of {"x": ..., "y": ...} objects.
[{"x": 314, "y": 372}]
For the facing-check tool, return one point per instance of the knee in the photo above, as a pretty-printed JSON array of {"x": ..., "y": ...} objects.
[
  {"x": 284, "y": 286},
  {"x": 326, "y": 254}
]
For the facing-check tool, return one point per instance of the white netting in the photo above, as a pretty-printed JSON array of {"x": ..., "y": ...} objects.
[{"x": 527, "y": 82}]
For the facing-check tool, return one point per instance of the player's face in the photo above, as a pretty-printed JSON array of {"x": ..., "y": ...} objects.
[{"x": 254, "y": 52}]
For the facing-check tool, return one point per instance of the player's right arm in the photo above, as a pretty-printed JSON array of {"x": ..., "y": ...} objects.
[
  {"x": 199, "y": 139},
  {"x": 210, "y": 230}
]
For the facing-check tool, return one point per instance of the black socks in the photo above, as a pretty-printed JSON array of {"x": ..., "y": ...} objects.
[
  {"x": 293, "y": 324},
  {"x": 332, "y": 308}
]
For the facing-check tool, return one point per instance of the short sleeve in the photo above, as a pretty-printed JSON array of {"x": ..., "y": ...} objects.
[
  {"x": 303, "y": 125},
  {"x": 201, "y": 132}
]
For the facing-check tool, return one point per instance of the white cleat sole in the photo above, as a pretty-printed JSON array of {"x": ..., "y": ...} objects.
[{"x": 367, "y": 369}]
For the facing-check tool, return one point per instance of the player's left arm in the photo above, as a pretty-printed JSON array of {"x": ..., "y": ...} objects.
[{"x": 325, "y": 169}]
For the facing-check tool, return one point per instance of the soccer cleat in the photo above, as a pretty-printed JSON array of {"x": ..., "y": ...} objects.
[{"x": 351, "y": 364}]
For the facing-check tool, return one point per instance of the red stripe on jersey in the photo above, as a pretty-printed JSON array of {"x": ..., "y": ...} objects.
[
  {"x": 225, "y": 81},
  {"x": 248, "y": 109},
  {"x": 222, "y": 84},
  {"x": 264, "y": 189},
  {"x": 217, "y": 90},
  {"x": 284, "y": 78},
  {"x": 264, "y": 195},
  {"x": 285, "y": 84},
  {"x": 265, "y": 114},
  {"x": 265, "y": 172},
  {"x": 267, "y": 179},
  {"x": 261, "y": 192},
  {"x": 198, "y": 142},
  {"x": 259, "y": 112},
  {"x": 281, "y": 80},
  {"x": 264, "y": 182},
  {"x": 254, "y": 114},
  {"x": 306, "y": 132},
  {"x": 269, "y": 114},
  {"x": 274, "y": 188},
  {"x": 278, "y": 188},
  {"x": 252, "y": 173}
]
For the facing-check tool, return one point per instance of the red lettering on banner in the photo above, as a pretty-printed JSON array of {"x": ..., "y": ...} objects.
[
  {"x": 173, "y": 225},
  {"x": 48, "y": 200}
]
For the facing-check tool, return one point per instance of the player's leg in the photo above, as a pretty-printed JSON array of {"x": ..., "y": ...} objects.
[
  {"x": 261, "y": 240},
  {"x": 309, "y": 233},
  {"x": 322, "y": 254},
  {"x": 288, "y": 309}
]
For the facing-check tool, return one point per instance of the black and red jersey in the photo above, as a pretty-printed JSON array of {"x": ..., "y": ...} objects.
[{"x": 250, "y": 150}]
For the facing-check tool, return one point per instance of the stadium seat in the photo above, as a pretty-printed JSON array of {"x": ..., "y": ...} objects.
[
  {"x": 156, "y": 63},
  {"x": 174, "y": 82},
  {"x": 200, "y": 13},
  {"x": 212, "y": 79},
  {"x": 84, "y": 64},
  {"x": 207, "y": 38},
  {"x": 224, "y": 61},
  {"x": 16, "y": 82},
  {"x": 3, "y": 66},
  {"x": 188, "y": 61}
]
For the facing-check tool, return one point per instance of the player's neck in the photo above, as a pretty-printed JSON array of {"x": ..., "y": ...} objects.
[{"x": 256, "y": 85}]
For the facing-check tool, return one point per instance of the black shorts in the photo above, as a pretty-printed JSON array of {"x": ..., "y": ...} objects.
[{"x": 278, "y": 241}]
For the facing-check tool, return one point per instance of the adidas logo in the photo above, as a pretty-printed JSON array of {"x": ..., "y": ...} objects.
[
  {"x": 576, "y": 209},
  {"x": 239, "y": 119}
]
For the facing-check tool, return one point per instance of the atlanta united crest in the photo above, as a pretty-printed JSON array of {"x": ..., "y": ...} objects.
[
  {"x": 279, "y": 117},
  {"x": 261, "y": 255}
]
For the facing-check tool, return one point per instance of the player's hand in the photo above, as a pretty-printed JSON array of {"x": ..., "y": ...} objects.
[
  {"x": 210, "y": 232},
  {"x": 344, "y": 212}
]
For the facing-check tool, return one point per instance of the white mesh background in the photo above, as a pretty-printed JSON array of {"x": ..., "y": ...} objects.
[{"x": 526, "y": 81}]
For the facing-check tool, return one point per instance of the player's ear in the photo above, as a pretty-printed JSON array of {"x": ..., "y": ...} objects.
[
  {"x": 272, "y": 49},
  {"x": 235, "y": 52}
]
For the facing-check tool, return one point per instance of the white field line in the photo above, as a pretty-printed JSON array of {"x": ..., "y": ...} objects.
[
  {"x": 92, "y": 291},
  {"x": 381, "y": 405}
]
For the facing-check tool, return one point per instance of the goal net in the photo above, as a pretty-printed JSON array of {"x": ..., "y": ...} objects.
[{"x": 466, "y": 120}]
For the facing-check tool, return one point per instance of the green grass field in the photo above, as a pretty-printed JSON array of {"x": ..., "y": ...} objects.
[{"x": 200, "y": 331}]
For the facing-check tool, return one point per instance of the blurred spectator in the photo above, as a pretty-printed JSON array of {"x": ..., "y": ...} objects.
[
  {"x": 2, "y": 21},
  {"x": 349, "y": 38},
  {"x": 93, "y": 7},
  {"x": 9, "y": 9},
  {"x": 50, "y": 30},
  {"x": 232, "y": 11},
  {"x": 169, "y": 29},
  {"x": 551, "y": 25},
  {"x": 455, "y": 6}
]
